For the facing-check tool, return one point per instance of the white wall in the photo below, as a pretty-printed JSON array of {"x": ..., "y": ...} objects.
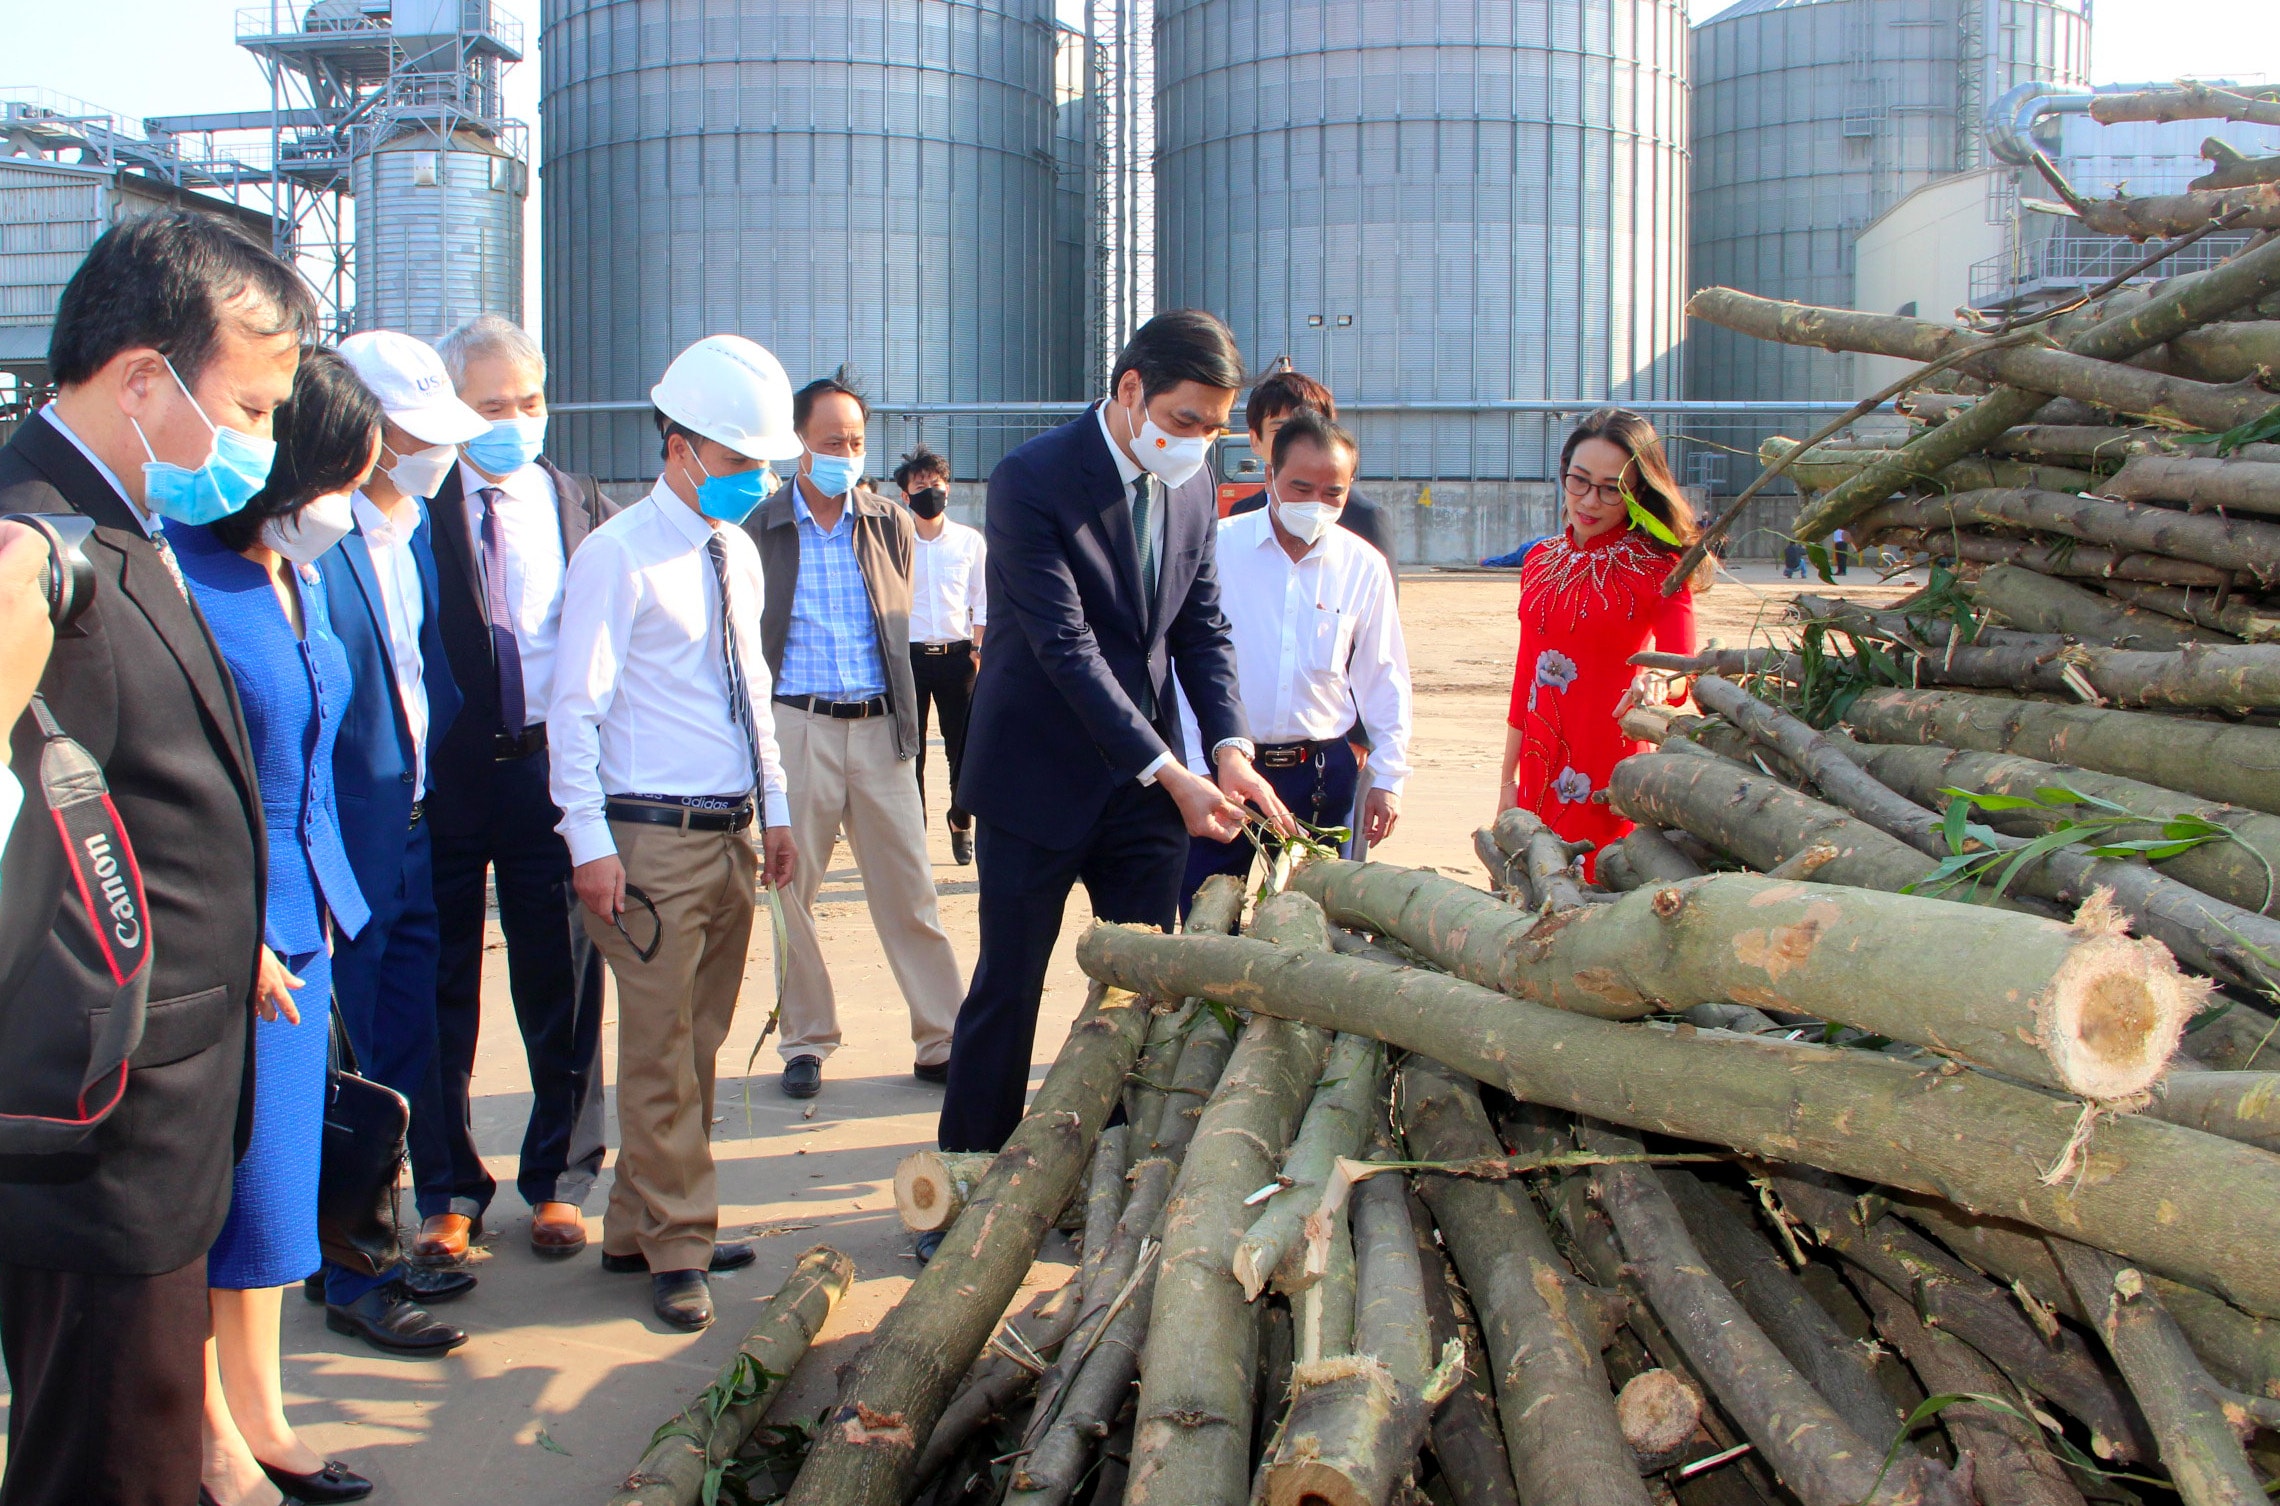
[{"x": 1921, "y": 252}]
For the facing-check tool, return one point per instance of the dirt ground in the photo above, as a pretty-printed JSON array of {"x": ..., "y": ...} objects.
[{"x": 568, "y": 1373}]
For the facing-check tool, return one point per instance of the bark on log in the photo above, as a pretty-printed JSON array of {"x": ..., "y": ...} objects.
[
  {"x": 2215, "y": 760},
  {"x": 868, "y": 1442},
  {"x": 2010, "y": 1463},
  {"x": 1812, "y": 1450},
  {"x": 2083, "y": 561},
  {"x": 1152, "y": 1075},
  {"x": 2242, "y": 485},
  {"x": 2096, "y": 1014},
  {"x": 2235, "y": 1038},
  {"x": 1827, "y": 467},
  {"x": 2251, "y": 622},
  {"x": 2257, "y": 207},
  {"x": 995, "y": 1383},
  {"x": 1924, "y": 635},
  {"x": 1560, "y": 1428},
  {"x": 2044, "y": 604},
  {"x": 2243, "y": 1106},
  {"x": 1336, "y": 1124},
  {"x": 1203, "y": 1060},
  {"x": 673, "y": 1470},
  {"x": 1841, "y": 1369},
  {"x": 2229, "y": 167},
  {"x": 1936, "y": 407},
  {"x": 1164, "y": 1069},
  {"x": 2253, "y": 548},
  {"x": 2198, "y": 1445},
  {"x": 1192, "y": 1431},
  {"x": 2102, "y": 446},
  {"x": 1951, "y": 1297},
  {"x": 2229, "y": 352},
  {"x": 1655, "y": 859},
  {"x": 1468, "y": 1437},
  {"x": 2193, "y": 1206},
  {"x": 2188, "y": 101}
]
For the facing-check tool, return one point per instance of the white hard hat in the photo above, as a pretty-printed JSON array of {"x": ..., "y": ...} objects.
[
  {"x": 733, "y": 392},
  {"x": 414, "y": 390}
]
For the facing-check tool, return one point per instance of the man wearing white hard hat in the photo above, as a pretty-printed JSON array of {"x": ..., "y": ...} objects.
[
  {"x": 664, "y": 761},
  {"x": 507, "y": 523}
]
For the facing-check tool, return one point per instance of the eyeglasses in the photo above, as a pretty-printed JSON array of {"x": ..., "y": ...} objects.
[
  {"x": 634, "y": 896},
  {"x": 1611, "y": 493}
]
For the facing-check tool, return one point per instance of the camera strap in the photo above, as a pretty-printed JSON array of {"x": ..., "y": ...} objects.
[{"x": 102, "y": 863}]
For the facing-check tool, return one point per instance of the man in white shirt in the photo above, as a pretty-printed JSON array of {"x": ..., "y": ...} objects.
[
  {"x": 949, "y": 606},
  {"x": 1317, "y": 639},
  {"x": 663, "y": 745}
]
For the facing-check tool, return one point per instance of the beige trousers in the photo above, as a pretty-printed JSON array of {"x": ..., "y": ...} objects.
[
  {"x": 843, "y": 776},
  {"x": 673, "y": 1013}
]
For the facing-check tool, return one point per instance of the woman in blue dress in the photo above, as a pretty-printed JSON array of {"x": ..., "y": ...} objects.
[{"x": 255, "y": 575}]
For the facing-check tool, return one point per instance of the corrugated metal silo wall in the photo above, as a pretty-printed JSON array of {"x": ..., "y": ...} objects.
[
  {"x": 431, "y": 254},
  {"x": 1495, "y": 192},
  {"x": 860, "y": 181},
  {"x": 1811, "y": 118}
]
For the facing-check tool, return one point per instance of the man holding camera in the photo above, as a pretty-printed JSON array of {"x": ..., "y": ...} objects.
[{"x": 173, "y": 344}]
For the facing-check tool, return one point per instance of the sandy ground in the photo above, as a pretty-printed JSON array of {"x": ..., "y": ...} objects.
[{"x": 568, "y": 1372}]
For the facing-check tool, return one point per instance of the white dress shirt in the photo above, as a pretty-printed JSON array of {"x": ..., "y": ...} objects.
[
  {"x": 149, "y": 523},
  {"x": 947, "y": 598},
  {"x": 530, "y": 518},
  {"x": 1316, "y": 640},
  {"x": 390, "y": 545},
  {"x": 640, "y": 697}
]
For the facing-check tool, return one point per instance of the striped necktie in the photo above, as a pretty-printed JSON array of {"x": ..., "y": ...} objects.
[
  {"x": 732, "y": 661},
  {"x": 506, "y": 649}
]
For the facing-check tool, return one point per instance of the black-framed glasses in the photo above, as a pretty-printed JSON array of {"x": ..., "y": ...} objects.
[
  {"x": 1611, "y": 493},
  {"x": 634, "y": 896}
]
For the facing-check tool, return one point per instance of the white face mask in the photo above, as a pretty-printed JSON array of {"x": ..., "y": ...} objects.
[
  {"x": 420, "y": 474},
  {"x": 304, "y": 536},
  {"x": 1170, "y": 459},
  {"x": 1308, "y": 521}
]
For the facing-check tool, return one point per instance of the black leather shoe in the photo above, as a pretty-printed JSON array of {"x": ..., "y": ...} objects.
[
  {"x": 388, "y": 1317},
  {"x": 335, "y": 1482},
  {"x": 682, "y": 1298},
  {"x": 937, "y": 1073},
  {"x": 313, "y": 1285},
  {"x": 430, "y": 1286},
  {"x": 926, "y": 1244},
  {"x": 803, "y": 1077},
  {"x": 734, "y": 1256},
  {"x": 962, "y": 845}
]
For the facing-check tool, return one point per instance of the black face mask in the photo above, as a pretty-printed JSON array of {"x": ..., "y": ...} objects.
[{"x": 931, "y": 502}]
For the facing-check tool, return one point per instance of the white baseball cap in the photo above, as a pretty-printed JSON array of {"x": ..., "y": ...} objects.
[
  {"x": 733, "y": 392},
  {"x": 414, "y": 390}
]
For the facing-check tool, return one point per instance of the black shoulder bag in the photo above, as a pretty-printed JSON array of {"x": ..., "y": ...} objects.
[{"x": 365, "y": 1124}]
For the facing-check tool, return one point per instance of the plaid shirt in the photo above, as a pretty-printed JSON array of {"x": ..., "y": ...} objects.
[{"x": 832, "y": 647}]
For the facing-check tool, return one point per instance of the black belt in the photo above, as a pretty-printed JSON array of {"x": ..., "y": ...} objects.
[
  {"x": 419, "y": 814},
  {"x": 962, "y": 646},
  {"x": 688, "y": 813},
  {"x": 506, "y": 746},
  {"x": 844, "y": 711},
  {"x": 1286, "y": 755}
]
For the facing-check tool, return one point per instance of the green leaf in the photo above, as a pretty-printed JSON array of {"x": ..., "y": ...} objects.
[
  {"x": 1819, "y": 554},
  {"x": 546, "y": 1441},
  {"x": 1956, "y": 822},
  {"x": 2255, "y": 431}
]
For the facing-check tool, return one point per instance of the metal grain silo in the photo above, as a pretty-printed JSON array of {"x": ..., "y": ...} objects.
[
  {"x": 439, "y": 231},
  {"x": 1813, "y": 117},
  {"x": 1431, "y": 200},
  {"x": 858, "y": 181}
]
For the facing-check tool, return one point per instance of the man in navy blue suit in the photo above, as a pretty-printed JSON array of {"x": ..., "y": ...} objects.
[
  {"x": 381, "y": 585},
  {"x": 1101, "y": 589}
]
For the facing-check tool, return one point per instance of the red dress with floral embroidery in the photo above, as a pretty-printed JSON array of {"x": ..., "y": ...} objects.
[{"x": 1584, "y": 610}]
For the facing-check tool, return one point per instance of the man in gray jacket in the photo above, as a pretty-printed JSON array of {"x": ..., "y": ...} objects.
[{"x": 837, "y": 559}]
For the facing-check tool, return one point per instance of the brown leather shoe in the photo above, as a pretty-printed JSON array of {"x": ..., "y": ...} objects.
[
  {"x": 443, "y": 1237},
  {"x": 557, "y": 1230}
]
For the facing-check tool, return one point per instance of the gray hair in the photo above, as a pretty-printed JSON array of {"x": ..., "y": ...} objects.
[{"x": 489, "y": 335}]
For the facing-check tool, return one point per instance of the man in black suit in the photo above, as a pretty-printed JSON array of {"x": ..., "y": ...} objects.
[
  {"x": 506, "y": 522},
  {"x": 174, "y": 327},
  {"x": 1102, "y": 588}
]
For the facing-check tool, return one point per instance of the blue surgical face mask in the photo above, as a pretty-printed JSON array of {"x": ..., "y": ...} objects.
[
  {"x": 834, "y": 475},
  {"x": 508, "y": 446},
  {"x": 731, "y": 498},
  {"x": 236, "y": 468}
]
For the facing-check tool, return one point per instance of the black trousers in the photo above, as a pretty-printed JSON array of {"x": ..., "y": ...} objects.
[
  {"x": 108, "y": 1383},
  {"x": 500, "y": 820},
  {"x": 1130, "y": 865},
  {"x": 1319, "y": 792},
  {"x": 948, "y": 680}
]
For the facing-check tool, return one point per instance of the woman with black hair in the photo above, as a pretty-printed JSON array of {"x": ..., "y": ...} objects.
[
  {"x": 1590, "y": 597},
  {"x": 255, "y": 577}
]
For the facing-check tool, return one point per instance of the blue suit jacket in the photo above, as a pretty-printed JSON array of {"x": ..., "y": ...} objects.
[
  {"x": 374, "y": 757},
  {"x": 1057, "y": 721}
]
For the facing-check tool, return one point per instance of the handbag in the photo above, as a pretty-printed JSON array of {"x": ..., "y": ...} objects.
[{"x": 365, "y": 1125}]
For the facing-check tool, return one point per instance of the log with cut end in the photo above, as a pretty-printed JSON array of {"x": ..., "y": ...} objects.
[
  {"x": 2067, "y": 558},
  {"x": 2196, "y": 1207},
  {"x": 2247, "y": 545},
  {"x": 2242, "y": 485},
  {"x": 2184, "y": 1405},
  {"x": 868, "y": 1442},
  {"x": 933, "y": 1187},
  {"x": 1336, "y": 1123},
  {"x": 2249, "y": 621},
  {"x": 1813, "y": 1450},
  {"x": 2243, "y": 1106},
  {"x": 2215, "y": 760},
  {"x": 1659, "y": 1414},
  {"x": 1468, "y": 1438},
  {"x": 673, "y": 1471},
  {"x": 1560, "y": 1431},
  {"x": 2044, "y": 604}
]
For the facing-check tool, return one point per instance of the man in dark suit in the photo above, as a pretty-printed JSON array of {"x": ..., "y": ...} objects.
[
  {"x": 174, "y": 327},
  {"x": 1102, "y": 588},
  {"x": 506, "y": 521}
]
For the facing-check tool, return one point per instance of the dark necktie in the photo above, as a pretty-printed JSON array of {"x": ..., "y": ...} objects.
[
  {"x": 732, "y": 661},
  {"x": 1143, "y": 519},
  {"x": 505, "y": 650}
]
